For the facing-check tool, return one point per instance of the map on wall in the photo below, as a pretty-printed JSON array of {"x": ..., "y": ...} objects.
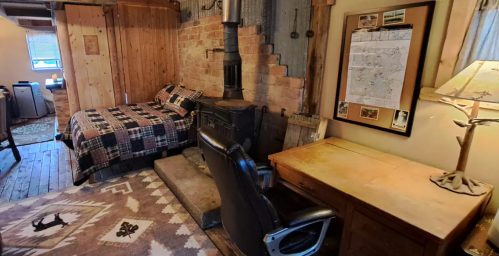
[{"x": 376, "y": 70}]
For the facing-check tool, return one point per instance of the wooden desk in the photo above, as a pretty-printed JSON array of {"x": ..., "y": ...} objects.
[{"x": 388, "y": 204}]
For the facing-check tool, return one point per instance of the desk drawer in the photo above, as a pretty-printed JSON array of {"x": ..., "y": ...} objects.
[
  {"x": 369, "y": 237},
  {"x": 321, "y": 191}
]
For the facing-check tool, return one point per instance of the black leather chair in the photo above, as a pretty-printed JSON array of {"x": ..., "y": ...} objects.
[{"x": 249, "y": 218}]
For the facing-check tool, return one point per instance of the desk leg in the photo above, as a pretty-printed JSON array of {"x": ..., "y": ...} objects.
[
  {"x": 91, "y": 180},
  {"x": 345, "y": 240}
]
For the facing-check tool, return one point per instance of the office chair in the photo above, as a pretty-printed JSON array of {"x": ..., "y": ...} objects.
[{"x": 249, "y": 218}]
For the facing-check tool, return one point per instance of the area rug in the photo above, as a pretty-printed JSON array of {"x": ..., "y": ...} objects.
[
  {"x": 34, "y": 130},
  {"x": 132, "y": 215}
]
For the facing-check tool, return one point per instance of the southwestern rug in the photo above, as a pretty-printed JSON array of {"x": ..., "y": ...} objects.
[{"x": 131, "y": 215}]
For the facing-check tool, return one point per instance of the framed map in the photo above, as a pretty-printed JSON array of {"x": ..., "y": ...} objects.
[{"x": 381, "y": 67}]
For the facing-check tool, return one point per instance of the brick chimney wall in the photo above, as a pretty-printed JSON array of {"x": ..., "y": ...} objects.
[{"x": 264, "y": 81}]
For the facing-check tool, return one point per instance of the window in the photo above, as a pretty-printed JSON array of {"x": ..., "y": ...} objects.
[{"x": 43, "y": 50}]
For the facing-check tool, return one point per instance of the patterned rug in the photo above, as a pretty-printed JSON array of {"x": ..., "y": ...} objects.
[
  {"x": 34, "y": 130},
  {"x": 132, "y": 215}
]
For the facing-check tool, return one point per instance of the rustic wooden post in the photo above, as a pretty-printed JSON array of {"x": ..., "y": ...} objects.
[{"x": 317, "y": 46}]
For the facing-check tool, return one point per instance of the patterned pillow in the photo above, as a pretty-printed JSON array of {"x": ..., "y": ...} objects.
[
  {"x": 164, "y": 94},
  {"x": 182, "y": 100}
]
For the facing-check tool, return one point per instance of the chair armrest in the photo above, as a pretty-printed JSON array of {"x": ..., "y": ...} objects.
[
  {"x": 263, "y": 166},
  {"x": 266, "y": 175},
  {"x": 302, "y": 217}
]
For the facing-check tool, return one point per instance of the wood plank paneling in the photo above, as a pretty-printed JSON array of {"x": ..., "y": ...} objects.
[
  {"x": 149, "y": 49},
  {"x": 114, "y": 39},
  {"x": 317, "y": 46},
  {"x": 76, "y": 42},
  {"x": 106, "y": 91},
  {"x": 93, "y": 72}
]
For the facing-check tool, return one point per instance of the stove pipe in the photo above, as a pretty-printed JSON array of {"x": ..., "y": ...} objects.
[{"x": 231, "y": 17}]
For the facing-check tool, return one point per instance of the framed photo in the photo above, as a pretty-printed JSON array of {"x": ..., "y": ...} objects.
[
  {"x": 400, "y": 119},
  {"x": 394, "y": 17},
  {"x": 343, "y": 109},
  {"x": 369, "y": 113},
  {"x": 368, "y": 21}
]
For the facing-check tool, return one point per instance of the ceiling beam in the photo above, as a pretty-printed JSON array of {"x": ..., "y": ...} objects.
[
  {"x": 96, "y": 2},
  {"x": 158, "y": 3},
  {"x": 40, "y": 28},
  {"x": 18, "y": 12}
]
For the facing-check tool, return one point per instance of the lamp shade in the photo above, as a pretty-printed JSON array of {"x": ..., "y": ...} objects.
[{"x": 478, "y": 82}]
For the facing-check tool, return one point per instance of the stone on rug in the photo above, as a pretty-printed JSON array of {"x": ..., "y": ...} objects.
[
  {"x": 132, "y": 215},
  {"x": 195, "y": 190}
]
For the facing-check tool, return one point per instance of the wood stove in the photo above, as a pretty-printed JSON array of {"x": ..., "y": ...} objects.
[
  {"x": 237, "y": 125},
  {"x": 231, "y": 115}
]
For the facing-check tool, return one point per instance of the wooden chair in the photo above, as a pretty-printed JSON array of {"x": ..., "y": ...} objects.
[{"x": 6, "y": 122}]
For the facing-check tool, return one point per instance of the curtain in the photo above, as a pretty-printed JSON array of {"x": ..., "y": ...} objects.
[{"x": 482, "y": 39}]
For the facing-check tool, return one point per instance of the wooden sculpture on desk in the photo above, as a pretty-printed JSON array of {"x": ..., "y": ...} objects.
[{"x": 478, "y": 82}]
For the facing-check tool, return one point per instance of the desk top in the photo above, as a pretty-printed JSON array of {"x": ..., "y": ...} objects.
[{"x": 394, "y": 185}]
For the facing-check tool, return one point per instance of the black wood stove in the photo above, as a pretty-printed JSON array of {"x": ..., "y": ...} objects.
[{"x": 231, "y": 115}]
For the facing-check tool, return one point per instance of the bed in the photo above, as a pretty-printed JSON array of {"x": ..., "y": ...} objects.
[{"x": 104, "y": 137}]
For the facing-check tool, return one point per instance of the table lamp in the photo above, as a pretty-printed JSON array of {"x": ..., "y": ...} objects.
[{"x": 478, "y": 82}]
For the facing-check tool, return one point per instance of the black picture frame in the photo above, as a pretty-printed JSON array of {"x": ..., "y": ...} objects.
[{"x": 422, "y": 58}]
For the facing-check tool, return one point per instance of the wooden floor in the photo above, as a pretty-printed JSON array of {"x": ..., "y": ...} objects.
[{"x": 45, "y": 167}]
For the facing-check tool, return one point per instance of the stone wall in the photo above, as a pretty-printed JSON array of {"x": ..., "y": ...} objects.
[{"x": 265, "y": 83}]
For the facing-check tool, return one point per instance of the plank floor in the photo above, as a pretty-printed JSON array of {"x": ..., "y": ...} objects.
[{"x": 44, "y": 167}]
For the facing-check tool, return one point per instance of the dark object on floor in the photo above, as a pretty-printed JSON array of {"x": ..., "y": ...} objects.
[
  {"x": 476, "y": 242},
  {"x": 5, "y": 123},
  {"x": 29, "y": 99},
  {"x": 196, "y": 191},
  {"x": 247, "y": 214}
]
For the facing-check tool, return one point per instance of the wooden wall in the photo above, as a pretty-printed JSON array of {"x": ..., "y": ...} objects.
[
  {"x": 148, "y": 37},
  {"x": 90, "y": 52},
  {"x": 114, "y": 52},
  {"x": 67, "y": 60}
]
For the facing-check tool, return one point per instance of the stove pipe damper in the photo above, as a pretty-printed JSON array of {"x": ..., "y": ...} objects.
[{"x": 231, "y": 17}]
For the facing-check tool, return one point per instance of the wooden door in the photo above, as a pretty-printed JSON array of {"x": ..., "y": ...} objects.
[
  {"x": 90, "y": 54},
  {"x": 148, "y": 38}
]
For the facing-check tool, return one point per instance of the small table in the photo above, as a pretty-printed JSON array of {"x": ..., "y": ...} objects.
[
  {"x": 51, "y": 85},
  {"x": 476, "y": 243}
]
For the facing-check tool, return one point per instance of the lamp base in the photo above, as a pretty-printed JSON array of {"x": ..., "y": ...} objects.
[{"x": 457, "y": 182}]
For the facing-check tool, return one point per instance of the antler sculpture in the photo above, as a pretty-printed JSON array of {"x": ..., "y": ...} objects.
[{"x": 458, "y": 177}]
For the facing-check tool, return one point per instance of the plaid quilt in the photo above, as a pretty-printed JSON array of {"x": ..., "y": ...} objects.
[{"x": 104, "y": 137}]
